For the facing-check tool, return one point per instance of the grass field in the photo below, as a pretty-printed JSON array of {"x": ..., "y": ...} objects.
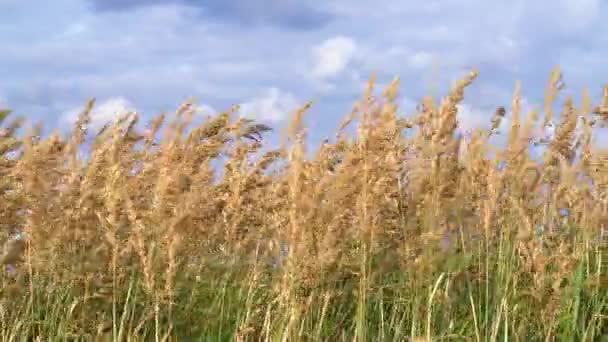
[{"x": 374, "y": 236}]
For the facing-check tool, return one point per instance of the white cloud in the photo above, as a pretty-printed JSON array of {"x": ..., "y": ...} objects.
[
  {"x": 273, "y": 105},
  {"x": 102, "y": 113},
  {"x": 201, "y": 113},
  {"x": 504, "y": 50},
  {"x": 470, "y": 118},
  {"x": 578, "y": 15},
  {"x": 205, "y": 110},
  {"x": 75, "y": 29},
  {"x": 333, "y": 56},
  {"x": 420, "y": 60}
]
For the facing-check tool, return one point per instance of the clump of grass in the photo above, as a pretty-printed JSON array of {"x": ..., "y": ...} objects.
[{"x": 402, "y": 230}]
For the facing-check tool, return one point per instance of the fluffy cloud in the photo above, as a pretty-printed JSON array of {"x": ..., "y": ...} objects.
[
  {"x": 470, "y": 118},
  {"x": 332, "y": 56},
  {"x": 205, "y": 110},
  {"x": 420, "y": 59},
  {"x": 104, "y": 112},
  {"x": 273, "y": 105}
]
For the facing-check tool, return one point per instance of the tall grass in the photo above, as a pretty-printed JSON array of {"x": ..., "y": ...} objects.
[{"x": 375, "y": 236}]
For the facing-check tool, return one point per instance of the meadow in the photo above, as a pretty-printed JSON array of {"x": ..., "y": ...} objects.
[{"x": 398, "y": 228}]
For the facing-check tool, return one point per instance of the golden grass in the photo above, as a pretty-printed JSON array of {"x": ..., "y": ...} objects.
[{"x": 460, "y": 230}]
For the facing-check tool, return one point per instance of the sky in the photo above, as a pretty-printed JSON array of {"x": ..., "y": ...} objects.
[{"x": 271, "y": 56}]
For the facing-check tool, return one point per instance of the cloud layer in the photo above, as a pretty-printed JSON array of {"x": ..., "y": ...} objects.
[
  {"x": 272, "y": 55},
  {"x": 271, "y": 106},
  {"x": 105, "y": 112},
  {"x": 289, "y": 14}
]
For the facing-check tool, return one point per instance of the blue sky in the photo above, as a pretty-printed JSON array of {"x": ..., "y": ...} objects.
[{"x": 272, "y": 55}]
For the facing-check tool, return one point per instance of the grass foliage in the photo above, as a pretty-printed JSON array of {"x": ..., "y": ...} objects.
[{"x": 401, "y": 230}]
